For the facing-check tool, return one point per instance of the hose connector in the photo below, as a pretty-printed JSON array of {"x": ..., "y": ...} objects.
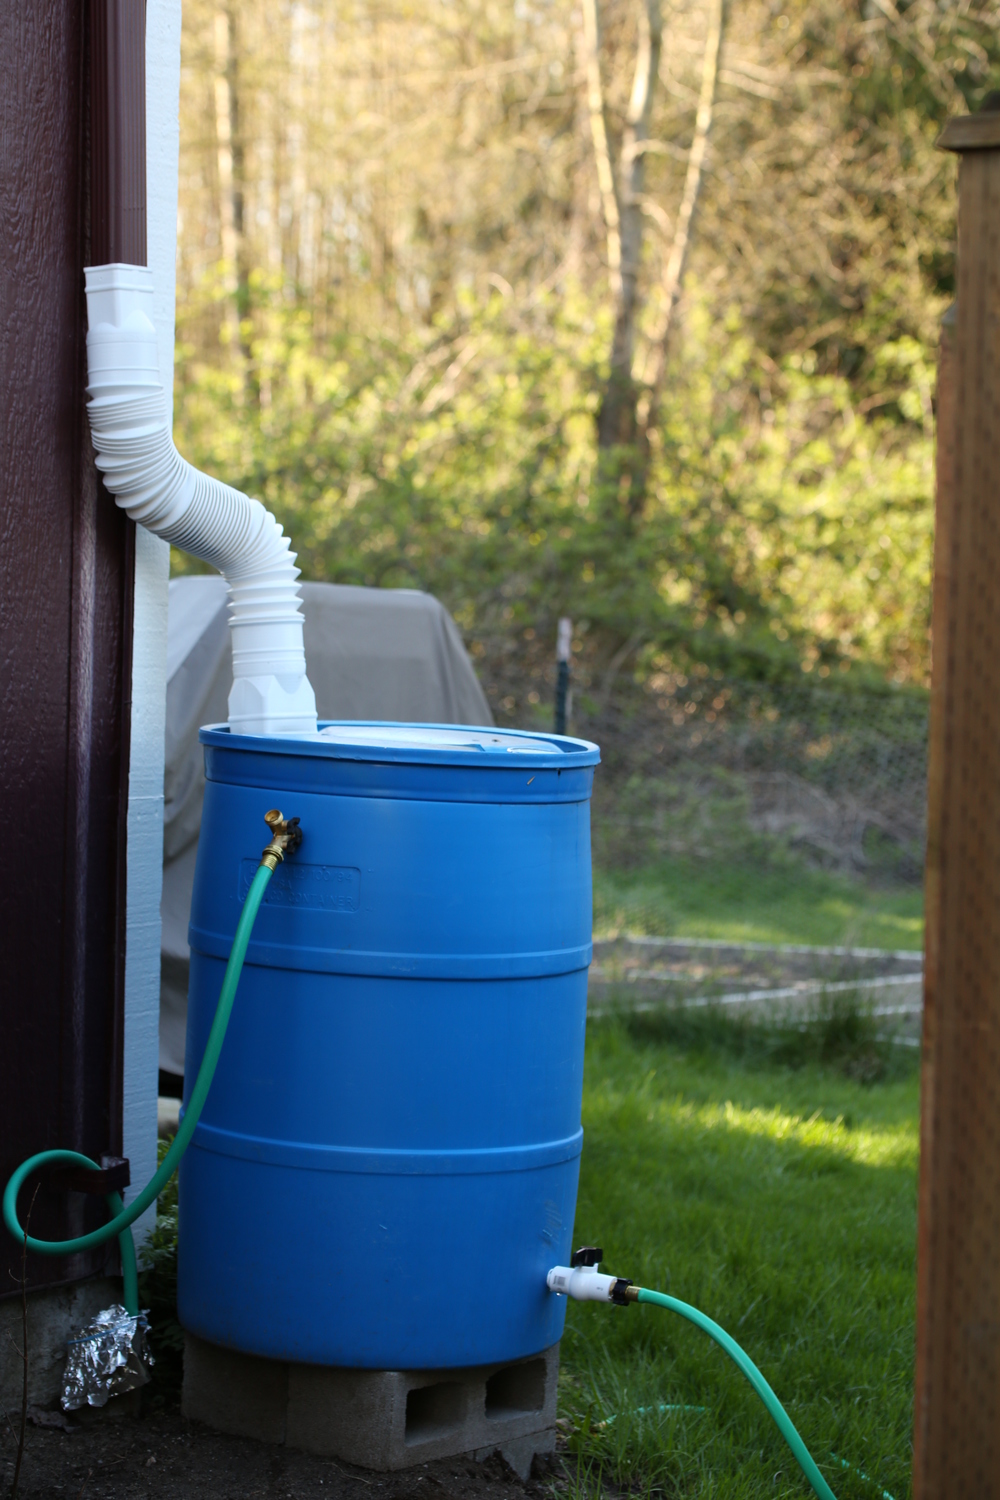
[
  {"x": 286, "y": 836},
  {"x": 584, "y": 1283}
]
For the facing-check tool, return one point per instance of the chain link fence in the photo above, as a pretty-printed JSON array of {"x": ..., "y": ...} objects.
[
  {"x": 775, "y": 812},
  {"x": 805, "y": 804},
  {"x": 789, "y": 812},
  {"x": 721, "y": 770}
]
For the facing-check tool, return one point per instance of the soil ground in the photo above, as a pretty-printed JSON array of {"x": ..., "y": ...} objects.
[
  {"x": 788, "y": 983},
  {"x": 165, "y": 1457}
]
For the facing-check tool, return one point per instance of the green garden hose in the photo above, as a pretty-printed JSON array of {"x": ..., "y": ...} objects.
[
  {"x": 123, "y": 1218},
  {"x": 784, "y": 1422}
]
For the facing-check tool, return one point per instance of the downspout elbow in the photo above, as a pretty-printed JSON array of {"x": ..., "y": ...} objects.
[{"x": 149, "y": 479}]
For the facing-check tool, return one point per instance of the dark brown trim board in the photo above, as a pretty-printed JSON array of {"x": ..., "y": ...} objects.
[{"x": 66, "y": 566}]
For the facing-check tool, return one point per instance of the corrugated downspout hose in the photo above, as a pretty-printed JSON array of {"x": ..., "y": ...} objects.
[
  {"x": 159, "y": 489},
  {"x": 120, "y": 1224}
]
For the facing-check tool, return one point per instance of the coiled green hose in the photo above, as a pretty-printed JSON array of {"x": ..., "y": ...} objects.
[
  {"x": 785, "y": 1426},
  {"x": 123, "y": 1218}
]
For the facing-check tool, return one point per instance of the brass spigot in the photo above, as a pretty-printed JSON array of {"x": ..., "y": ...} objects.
[{"x": 286, "y": 836}]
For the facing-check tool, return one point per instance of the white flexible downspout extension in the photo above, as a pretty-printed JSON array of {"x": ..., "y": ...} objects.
[{"x": 271, "y": 693}]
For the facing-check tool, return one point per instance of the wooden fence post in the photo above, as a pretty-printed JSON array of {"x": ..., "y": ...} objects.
[{"x": 957, "y": 1396}]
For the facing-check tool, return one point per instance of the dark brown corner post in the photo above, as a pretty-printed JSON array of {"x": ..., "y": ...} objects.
[
  {"x": 957, "y": 1396},
  {"x": 118, "y": 132},
  {"x": 72, "y": 193}
]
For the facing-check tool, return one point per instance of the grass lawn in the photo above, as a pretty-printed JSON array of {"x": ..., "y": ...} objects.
[
  {"x": 779, "y": 902},
  {"x": 750, "y": 1174}
]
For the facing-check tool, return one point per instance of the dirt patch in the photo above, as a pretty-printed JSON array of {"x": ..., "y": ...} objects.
[
  {"x": 165, "y": 1457},
  {"x": 792, "y": 982}
]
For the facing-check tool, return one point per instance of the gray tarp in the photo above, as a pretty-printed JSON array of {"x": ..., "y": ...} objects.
[{"x": 372, "y": 654}]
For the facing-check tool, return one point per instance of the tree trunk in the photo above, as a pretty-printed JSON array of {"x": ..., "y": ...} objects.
[
  {"x": 616, "y": 418},
  {"x": 599, "y": 137},
  {"x": 229, "y": 157},
  {"x": 653, "y": 374}
]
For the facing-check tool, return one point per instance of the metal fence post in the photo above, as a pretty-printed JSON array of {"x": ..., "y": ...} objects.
[
  {"x": 957, "y": 1395},
  {"x": 564, "y": 653}
]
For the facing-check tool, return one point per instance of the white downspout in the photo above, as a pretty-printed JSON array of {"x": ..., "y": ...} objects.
[{"x": 271, "y": 693}]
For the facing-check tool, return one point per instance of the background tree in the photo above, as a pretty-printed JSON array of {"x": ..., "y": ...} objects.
[{"x": 637, "y": 326}]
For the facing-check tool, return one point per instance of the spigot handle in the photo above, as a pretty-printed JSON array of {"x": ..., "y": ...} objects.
[
  {"x": 286, "y": 836},
  {"x": 587, "y": 1255}
]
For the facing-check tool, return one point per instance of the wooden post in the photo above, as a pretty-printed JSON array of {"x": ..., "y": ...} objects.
[
  {"x": 66, "y": 572},
  {"x": 957, "y": 1397}
]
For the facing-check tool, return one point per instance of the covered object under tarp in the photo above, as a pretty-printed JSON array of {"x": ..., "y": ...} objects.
[{"x": 371, "y": 653}]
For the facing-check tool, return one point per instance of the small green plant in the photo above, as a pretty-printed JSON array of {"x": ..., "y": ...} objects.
[{"x": 158, "y": 1293}]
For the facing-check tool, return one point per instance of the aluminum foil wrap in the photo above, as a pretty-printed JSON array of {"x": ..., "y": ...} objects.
[{"x": 110, "y": 1357}]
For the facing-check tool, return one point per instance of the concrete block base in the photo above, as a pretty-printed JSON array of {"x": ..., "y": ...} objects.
[{"x": 379, "y": 1419}]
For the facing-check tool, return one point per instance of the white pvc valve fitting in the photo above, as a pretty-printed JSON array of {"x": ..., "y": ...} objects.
[{"x": 582, "y": 1283}]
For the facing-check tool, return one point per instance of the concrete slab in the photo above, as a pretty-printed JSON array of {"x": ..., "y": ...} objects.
[{"x": 54, "y": 1316}]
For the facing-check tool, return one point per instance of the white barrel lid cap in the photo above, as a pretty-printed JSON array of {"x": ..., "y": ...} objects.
[{"x": 423, "y": 737}]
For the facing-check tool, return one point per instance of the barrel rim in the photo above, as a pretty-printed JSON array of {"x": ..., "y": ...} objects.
[
  {"x": 546, "y": 963},
  {"x": 387, "y": 1161},
  {"x": 576, "y": 753}
]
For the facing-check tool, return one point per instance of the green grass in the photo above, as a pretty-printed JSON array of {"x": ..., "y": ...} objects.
[
  {"x": 772, "y": 902},
  {"x": 779, "y": 1199}
]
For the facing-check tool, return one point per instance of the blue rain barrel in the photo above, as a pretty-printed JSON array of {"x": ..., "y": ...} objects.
[{"x": 387, "y": 1163}]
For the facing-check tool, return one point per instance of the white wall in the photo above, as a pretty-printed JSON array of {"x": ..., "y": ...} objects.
[{"x": 149, "y": 638}]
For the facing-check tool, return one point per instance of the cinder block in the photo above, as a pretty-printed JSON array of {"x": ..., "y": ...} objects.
[
  {"x": 234, "y": 1392},
  {"x": 520, "y": 1452},
  {"x": 379, "y": 1419},
  {"x": 350, "y": 1414}
]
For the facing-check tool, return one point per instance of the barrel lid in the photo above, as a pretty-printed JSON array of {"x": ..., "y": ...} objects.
[
  {"x": 441, "y": 744},
  {"x": 426, "y": 737}
]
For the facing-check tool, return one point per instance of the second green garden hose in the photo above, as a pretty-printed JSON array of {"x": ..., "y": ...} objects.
[{"x": 783, "y": 1421}]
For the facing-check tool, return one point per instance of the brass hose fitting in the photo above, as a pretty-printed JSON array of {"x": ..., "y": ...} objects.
[{"x": 286, "y": 836}]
